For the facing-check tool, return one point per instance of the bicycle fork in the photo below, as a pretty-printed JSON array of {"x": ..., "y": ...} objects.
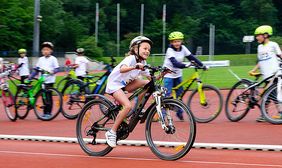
[
  {"x": 203, "y": 100},
  {"x": 157, "y": 96}
]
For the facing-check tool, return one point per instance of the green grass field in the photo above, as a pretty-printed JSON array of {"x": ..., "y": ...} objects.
[{"x": 217, "y": 76}]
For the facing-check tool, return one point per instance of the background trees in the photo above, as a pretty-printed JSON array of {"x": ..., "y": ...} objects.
[{"x": 71, "y": 23}]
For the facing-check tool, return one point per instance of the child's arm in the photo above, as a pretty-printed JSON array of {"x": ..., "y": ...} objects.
[
  {"x": 124, "y": 68},
  {"x": 191, "y": 57},
  {"x": 254, "y": 69}
]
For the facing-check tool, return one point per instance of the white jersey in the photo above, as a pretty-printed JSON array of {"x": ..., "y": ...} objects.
[
  {"x": 179, "y": 56},
  {"x": 118, "y": 80},
  {"x": 48, "y": 64},
  {"x": 267, "y": 58},
  {"x": 23, "y": 70},
  {"x": 82, "y": 62}
]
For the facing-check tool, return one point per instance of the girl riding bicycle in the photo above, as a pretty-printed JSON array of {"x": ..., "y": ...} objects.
[
  {"x": 174, "y": 58},
  {"x": 268, "y": 51},
  {"x": 124, "y": 77}
]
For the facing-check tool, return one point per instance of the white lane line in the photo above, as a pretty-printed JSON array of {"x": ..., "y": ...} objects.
[
  {"x": 141, "y": 159},
  {"x": 253, "y": 147}
]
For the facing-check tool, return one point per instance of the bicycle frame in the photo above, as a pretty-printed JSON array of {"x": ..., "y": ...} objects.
[
  {"x": 186, "y": 84},
  {"x": 150, "y": 89},
  {"x": 35, "y": 88}
]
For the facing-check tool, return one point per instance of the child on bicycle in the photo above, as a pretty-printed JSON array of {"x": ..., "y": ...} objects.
[
  {"x": 268, "y": 51},
  {"x": 174, "y": 58},
  {"x": 80, "y": 64},
  {"x": 124, "y": 77},
  {"x": 23, "y": 65},
  {"x": 50, "y": 64}
]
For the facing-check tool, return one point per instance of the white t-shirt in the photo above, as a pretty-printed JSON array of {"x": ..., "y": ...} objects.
[
  {"x": 82, "y": 62},
  {"x": 23, "y": 70},
  {"x": 179, "y": 56},
  {"x": 48, "y": 64},
  {"x": 118, "y": 80},
  {"x": 267, "y": 58}
]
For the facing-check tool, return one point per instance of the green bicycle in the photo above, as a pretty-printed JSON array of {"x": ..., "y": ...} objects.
[
  {"x": 205, "y": 101},
  {"x": 46, "y": 101}
]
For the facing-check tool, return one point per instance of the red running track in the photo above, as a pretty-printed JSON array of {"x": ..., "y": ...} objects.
[{"x": 52, "y": 155}]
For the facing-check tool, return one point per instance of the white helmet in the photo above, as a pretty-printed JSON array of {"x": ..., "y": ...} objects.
[{"x": 139, "y": 39}]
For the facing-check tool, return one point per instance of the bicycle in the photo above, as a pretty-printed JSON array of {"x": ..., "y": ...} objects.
[
  {"x": 271, "y": 104},
  {"x": 98, "y": 115},
  {"x": 38, "y": 97},
  {"x": 205, "y": 101},
  {"x": 245, "y": 95},
  {"x": 8, "y": 98},
  {"x": 75, "y": 90}
]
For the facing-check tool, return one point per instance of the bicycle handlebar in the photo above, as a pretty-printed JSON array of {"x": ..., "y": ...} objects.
[{"x": 42, "y": 71}]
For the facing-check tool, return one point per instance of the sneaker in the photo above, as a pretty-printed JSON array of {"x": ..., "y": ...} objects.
[
  {"x": 260, "y": 119},
  {"x": 278, "y": 116},
  {"x": 180, "y": 116},
  {"x": 111, "y": 139},
  {"x": 46, "y": 116}
]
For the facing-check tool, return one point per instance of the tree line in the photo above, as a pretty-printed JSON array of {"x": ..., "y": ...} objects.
[{"x": 71, "y": 23}]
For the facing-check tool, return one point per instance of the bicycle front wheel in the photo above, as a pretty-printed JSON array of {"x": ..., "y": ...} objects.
[
  {"x": 22, "y": 103},
  {"x": 48, "y": 104},
  {"x": 178, "y": 139},
  {"x": 91, "y": 127},
  {"x": 237, "y": 101},
  {"x": 271, "y": 108},
  {"x": 210, "y": 108},
  {"x": 9, "y": 103}
]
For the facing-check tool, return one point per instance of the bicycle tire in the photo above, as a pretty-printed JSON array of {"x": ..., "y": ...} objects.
[
  {"x": 9, "y": 102},
  {"x": 62, "y": 83},
  {"x": 191, "y": 135},
  {"x": 79, "y": 124},
  {"x": 209, "y": 99},
  {"x": 269, "y": 96},
  {"x": 58, "y": 103},
  {"x": 67, "y": 98},
  {"x": 229, "y": 113},
  {"x": 22, "y": 100}
]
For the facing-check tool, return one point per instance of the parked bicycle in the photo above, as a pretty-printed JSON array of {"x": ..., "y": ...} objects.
[
  {"x": 75, "y": 90},
  {"x": 7, "y": 96},
  {"x": 205, "y": 101},
  {"x": 46, "y": 101},
  {"x": 167, "y": 139}
]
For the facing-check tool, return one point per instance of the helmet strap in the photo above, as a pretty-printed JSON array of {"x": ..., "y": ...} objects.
[{"x": 139, "y": 58}]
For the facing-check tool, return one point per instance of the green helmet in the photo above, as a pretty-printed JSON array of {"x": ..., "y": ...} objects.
[
  {"x": 21, "y": 51},
  {"x": 176, "y": 36},
  {"x": 265, "y": 29}
]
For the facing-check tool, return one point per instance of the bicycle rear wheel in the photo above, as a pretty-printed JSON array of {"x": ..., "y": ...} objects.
[
  {"x": 175, "y": 142},
  {"x": 237, "y": 101},
  {"x": 9, "y": 104},
  {"x": 91, "y": 127},
  {"x": 48, "y": 104},
  {"x": 73, "y": 99},
  {"x": 271, "y": 108},
  {"x": 22, "y": 103},
  {"x": 62, "y": 83},
  {"x": 210, "y": 109}
]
